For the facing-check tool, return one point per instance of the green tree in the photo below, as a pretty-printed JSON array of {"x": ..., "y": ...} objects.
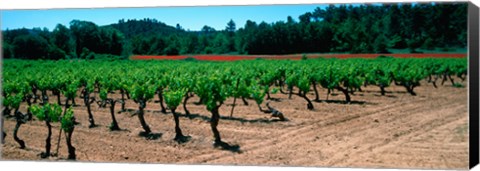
[
  {"x": 62, "y": 38},
  {"x": 30, "y": 47},
  {"x": 231, "y": 28},
  {"x": 7, "y": 50}
]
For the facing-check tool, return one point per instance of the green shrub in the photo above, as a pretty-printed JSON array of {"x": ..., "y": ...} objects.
[
  {"x": 107, "y": 57},
  {"x": 190, "y": 58},
  {"x": 384, "y": 57},
  {"x": 304, "y": 57},
  {"x": 458, "y": 85},
  {"x": 445, "y": 49}
]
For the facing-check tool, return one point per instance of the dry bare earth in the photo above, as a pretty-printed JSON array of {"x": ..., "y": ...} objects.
[{"x": 398, "y": 130}]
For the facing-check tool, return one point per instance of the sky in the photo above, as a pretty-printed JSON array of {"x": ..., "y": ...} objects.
[{"x": 189, "y": 18}]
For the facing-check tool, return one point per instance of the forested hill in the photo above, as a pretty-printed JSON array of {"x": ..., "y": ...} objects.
[
  {"x": 144, "y": 27},
  {"x": 337, "y": 28}
]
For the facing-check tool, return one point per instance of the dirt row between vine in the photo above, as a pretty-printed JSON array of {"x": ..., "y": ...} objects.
[{"x": 398, "y": 130}]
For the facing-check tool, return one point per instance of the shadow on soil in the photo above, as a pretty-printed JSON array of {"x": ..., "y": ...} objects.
[
  {"x": 275, "y": 99},
  {"x": 119, "y": 130},
  {"x": 389, "y": 92},
  {"x": 390, "y": 96},
  {"x": 150, "y": 136},
  {"x": 242, "y": 120},
  {"x": 182, "y": 139},
  {"x": 344, "y": 102},
  {"x": 225, "y": 146}
]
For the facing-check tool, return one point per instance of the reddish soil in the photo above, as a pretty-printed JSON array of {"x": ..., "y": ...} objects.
[
  {"x": 292, "y": 57},
  {"x": 398, "y": 130}
]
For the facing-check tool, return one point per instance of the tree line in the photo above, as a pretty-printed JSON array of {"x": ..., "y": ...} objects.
[{"x": 366, "y": 28}]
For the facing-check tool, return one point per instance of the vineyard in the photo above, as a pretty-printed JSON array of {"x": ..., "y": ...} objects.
[{"x": 105, "y": 107}]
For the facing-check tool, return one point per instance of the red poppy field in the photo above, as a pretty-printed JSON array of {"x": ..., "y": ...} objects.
[{"x": 294, "y": 56}]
